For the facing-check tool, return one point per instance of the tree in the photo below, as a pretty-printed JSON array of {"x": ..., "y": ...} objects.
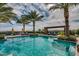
[
  {"x": 6, "y": 13},
  {"x": 39, "y": 30},
  {"x": 24, "y": 20},
  {"x": 65, "y": 7},
  {"x": 34, "y": 16}
]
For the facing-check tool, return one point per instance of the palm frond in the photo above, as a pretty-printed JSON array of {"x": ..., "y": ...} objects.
[
  {"x": 5, "y": 9},
  {"x": 56, "y": 6},
  {"x": 34, "y": 16},
  {"x": 24, "y": 19},
  {"x": 39, "y": 18},
  {"x": 6, "y": 13},
  {"x": 62, "y": 5},
  {"x": 2, "y": 4}
]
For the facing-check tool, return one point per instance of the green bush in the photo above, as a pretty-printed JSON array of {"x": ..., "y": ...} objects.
[
  {"x": 61, "y": 33},
  {"x": 72, "y": 32},
  {"x": 70, "y": 38},
  {"x": 2, "y": 36}
]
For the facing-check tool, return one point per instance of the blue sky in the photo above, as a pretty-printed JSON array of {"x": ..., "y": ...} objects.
[{"x": 52, "y": 18}]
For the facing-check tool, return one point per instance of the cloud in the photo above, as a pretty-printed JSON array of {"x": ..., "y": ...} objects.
[{"x": 52, "y": 18}]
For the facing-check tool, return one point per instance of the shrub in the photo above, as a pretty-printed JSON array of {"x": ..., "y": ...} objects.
[
  {"x": 2, "y": 36},
  {"x": 70, "y": 38},
  {"x": 61, "y": 33},
  {"x": 72, "y": 32}
]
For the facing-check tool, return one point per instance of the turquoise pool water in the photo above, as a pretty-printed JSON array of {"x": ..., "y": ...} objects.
[{"x": 36, "y": 46}]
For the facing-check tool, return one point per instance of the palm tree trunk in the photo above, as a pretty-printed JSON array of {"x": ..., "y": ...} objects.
[
  {"x": 66, "y": 16},
  {"x": 34, "y": 27},
  {"x": 23, "y": 27}
]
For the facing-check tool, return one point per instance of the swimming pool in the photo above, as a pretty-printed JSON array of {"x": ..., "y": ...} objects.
[{"x": 36, "y": 46}]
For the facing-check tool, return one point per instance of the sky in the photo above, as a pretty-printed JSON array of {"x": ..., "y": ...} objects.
[{"x": 51, "y": 18}]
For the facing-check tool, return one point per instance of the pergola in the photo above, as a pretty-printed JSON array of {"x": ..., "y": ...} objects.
[{"x": 46, "y": 28}]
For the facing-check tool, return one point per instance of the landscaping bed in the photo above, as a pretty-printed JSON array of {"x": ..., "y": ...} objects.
[{"x": 70, "y": 38}]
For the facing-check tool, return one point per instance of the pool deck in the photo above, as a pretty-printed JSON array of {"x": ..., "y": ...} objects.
[{"x": 77, "y": 53}]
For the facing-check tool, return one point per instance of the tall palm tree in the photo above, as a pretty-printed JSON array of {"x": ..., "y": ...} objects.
[
  {"x": 34, "y": 16},
  {"x": 6, "y": 13},
  {"x": 65, "y": 7},
  {"x": 24, "y": 20}
]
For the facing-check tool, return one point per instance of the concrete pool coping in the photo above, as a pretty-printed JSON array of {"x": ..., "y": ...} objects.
[{"x": 12, "y": 36}]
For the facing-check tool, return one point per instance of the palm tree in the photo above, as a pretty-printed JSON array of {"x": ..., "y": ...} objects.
[
  {"x": 65, "y": 7},
  {"x": 24, "y": 20},
  {"x": 34, "y": 16},
  {"x": 6, "y": 13}
]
